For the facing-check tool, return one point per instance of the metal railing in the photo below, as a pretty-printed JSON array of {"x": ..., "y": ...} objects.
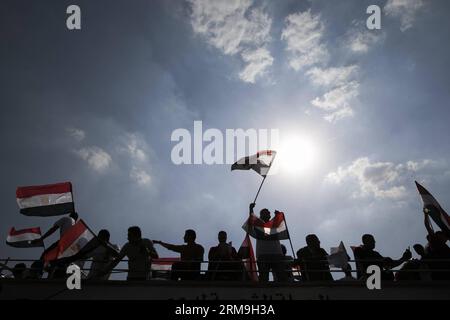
[{"x": 291, "y": 267}]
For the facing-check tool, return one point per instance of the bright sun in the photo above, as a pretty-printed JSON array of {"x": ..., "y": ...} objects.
[{"x": 297, "y": 154}]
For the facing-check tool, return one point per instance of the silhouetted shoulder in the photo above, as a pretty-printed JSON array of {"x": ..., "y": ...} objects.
[
  {"x": 302, "y": 252},
  {"x": 357, "y": 252},
  {"x": 200, "y": 248},
  {"x": 147, "y": 242}
]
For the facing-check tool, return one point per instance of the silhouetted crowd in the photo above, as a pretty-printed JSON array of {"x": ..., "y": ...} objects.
[{"x": 225, "y": 263}]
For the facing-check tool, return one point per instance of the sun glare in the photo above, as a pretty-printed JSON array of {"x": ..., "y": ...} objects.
[{"x": 298, "y": 154}]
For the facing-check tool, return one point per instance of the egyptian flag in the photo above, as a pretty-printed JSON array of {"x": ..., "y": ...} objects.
[
  {"x": 46, "y": 200},
  {"x": 434, "y": 209},
  {"x": 162, "y": 267},
  {"x": 71, "y": 242},
  {"x": 163, "y": 264},
  {"x": 23, "y": 238},
  {"x": 274, "y": 229},
  {"x": 248, "y": 257},
  {"x": 259, "y": 162}
]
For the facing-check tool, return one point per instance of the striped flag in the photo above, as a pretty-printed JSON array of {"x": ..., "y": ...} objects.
[
  {"x": 46, "y": 200},
  {"x": 161, "y": 267},
  {"x": 434, "y": 209},
  {"x": 23, "y": 238},
  {"x": 248, "y": 257},
  {"x": 259, "y": 162},
  {"x": 71, "y": 242},
  {"x": 274, "y": 229},
  {"x": 163, "y": 264}
]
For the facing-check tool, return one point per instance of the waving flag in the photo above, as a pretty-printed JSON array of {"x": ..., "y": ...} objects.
[
  {"x": 259, "y": 162},
  {"x": 434, "y": 209},
  {"x": 248, "y": 256},
  {"x": 24, "y": 238},
  {"x": 71, "y": 242},
  {"x": 46, "y": 200},
  {"x": 274, "y": 229},
  {"x": 338, "y": 257}
]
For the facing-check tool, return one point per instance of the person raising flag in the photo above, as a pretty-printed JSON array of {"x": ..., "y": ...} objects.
[{"x": 269, "y": 253}]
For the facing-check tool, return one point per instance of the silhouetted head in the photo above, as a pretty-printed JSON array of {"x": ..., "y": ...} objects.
[
  {"x": 222, "y": 236},
  {"x": 36, "y": 269},
  {"x": 368, "y": 241},
  {"x": 18, "y": 270},
  {"x": 134, "y": 234},
  {"x": 264, "y": 214},
  {"x": 283, "y": 249},
  {"x": 189, "y": 236},
  {"x": 103, "y": 235},
  {"x": 74, "y": 215},
  {"x": 419, "y": 249},
  {"x": 312, "y": 241}
]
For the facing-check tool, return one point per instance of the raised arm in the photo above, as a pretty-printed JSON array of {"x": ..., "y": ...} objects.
[
  {"x": 390, "y": 263},
  {"x": 427, "y": 222},
  {"x": 169, "y": 246},
  {"x": 251, "y": 207}
]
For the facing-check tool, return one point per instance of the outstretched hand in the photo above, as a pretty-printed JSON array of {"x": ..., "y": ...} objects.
[
  {"x": 252, "y": 205},
  {"x": 407, "y": 255}
]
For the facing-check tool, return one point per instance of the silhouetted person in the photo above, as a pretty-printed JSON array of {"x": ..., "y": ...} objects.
[
  {"x": 101, "y": 251},
  {"x": 313, "y": 261},
  {"x": 36, "y": 270},
  {"x": 413, "y": 269},
  {"x": 223, "y": 260},
  {"x": 139, "y": 252},
  {"x": 188, "y": 268},
  {"x": 63, "y": 224},
  {"x": 365, "y": 255},
  {"x": 438, "y": 252},
  {"x": 269, "y": 254},
  {"x": 19, "y": 271}
]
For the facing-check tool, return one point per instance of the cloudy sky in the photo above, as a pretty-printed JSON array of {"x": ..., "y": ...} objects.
[{"x": 97, "y": 107}]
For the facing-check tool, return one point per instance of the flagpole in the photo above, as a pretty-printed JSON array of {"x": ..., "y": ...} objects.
[
  {"x": 73, "y": 199},
  {"x": 264, "y": 179},
  {"x": 257, "y": 194},
  {"x": 289, "y": 235},
  {"x": 260, "y": 186}
]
